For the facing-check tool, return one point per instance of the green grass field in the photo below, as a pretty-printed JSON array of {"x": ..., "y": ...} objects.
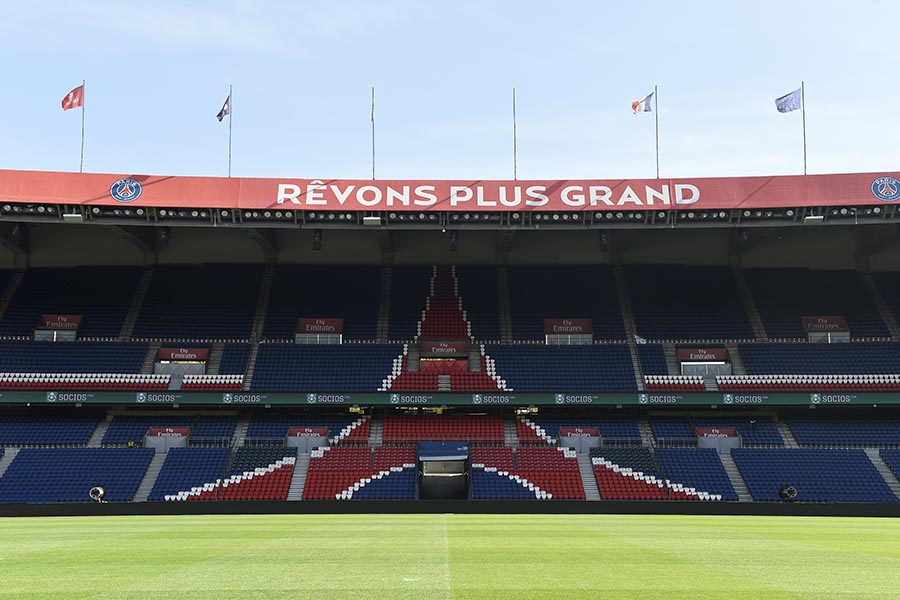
[{"x": 449, "y": 556}]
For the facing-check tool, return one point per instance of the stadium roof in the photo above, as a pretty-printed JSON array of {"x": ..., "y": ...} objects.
[{"x": 84, "y": 197}]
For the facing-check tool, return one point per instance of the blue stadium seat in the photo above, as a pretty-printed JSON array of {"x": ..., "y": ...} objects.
[
  {"x": 209, "y": 429},
  {"x": 478, "y": 289},
  {"x": 396, "y": 485},
  {"x": 835, "y": 430},
  {"x": 534, "y": 368},
  {"x": 341, "y": 368},
  {"x": 102, "y": 295},
  {"x": 309, "y": 291},
  {"x": 892, "y": 460},
  {"x": 234, "y": 359},
  {"x": 563, "y": 291},
  {"x": 818, "y": 475},
  {"x": 41, "y": 475},
  {"x": 71, "y": 357},
  {"x": 185, "y": 468},
  {"x": 271, "y": 427},
  {"x": 784, "y": 296},
  {"x": 409, "y": 289},
  {"x": 60, "y": 427},
  {"x": 675, "y": 302},
  {"x": 699, "y": 468},
  {"x": 754, "y": 431},
  {"x": 857, "y": 358},
  {"x": 200, "y": 302},
  {"x": 489, "y": 485},
  {"x": 653, "y": 359}
]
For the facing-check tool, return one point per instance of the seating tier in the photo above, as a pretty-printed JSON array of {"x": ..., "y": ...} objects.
[
  {"x": 527, "y": 368},
  {"x": 41, "y": 475},
  {"x": 818, "y": 475}
]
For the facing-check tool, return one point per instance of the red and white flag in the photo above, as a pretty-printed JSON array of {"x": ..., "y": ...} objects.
[{"x": 74, "y": 99}]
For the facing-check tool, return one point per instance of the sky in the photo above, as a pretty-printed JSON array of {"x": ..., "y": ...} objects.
[{"x": 443, "y": 72}]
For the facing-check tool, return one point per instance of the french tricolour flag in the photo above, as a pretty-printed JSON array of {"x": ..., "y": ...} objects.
[{"x": 645, "y": 104}]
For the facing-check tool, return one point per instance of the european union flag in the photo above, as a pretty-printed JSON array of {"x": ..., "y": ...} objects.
[{"x": 789, "y": 102}]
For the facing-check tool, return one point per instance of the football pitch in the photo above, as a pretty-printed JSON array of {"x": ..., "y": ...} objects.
[{"x": 449, "y": 556}]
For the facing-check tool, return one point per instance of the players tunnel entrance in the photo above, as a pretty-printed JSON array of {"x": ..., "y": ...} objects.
[{"x": 443, "y": 470}]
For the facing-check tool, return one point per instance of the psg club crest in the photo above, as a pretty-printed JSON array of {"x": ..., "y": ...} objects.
[
  {"x": 886, "y": 188},
  {"x": 125, "y": 190}
]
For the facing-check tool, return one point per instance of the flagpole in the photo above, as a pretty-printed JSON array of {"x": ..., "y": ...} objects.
[
  {"x": 81, "y": 162},
  {"x": 373, "y": 132},
  {"x": 230, "y": 118},
  {"x": 515, "y": 141},
  {"x": 803, "y": 107},
  {"x": 656, "y": 100}
]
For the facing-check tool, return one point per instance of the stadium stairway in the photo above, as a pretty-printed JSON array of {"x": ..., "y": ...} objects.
[
  {"x": 10, "y": 290},
  {"x": 137, "y": 301},
  {"x": 146, "y": 485},
  {"x": 298, "y": 479},
  {"x": 9, "y": 454},
  {"x": 96, "y": 438},
  {"x": 750, "y": 305},
  {"x": 883, "y": 309},
  {"x": 889, "y": 477},
  {"x": 506, "y": 335},
  {"x": 240, "y": 431},
  {"x": 786, "y": 434},
  {"x": 215, "y": 358},
  {"x": 647, "y": 439},
  {"x": 671, "y": 355},
  {"x": 510, "y": 432},
  {"x": 628, "y": 321},
  {"x": 262, "y": 303},
  {"x": 737, "y": 363},
  {"x": 588, "y": 480},
  {"x": 251, "y": 366},
  {"x": 150, "y": 358},
  {"x": 376, "y": 431},
  {"x": 384, "y": 307},
  {"x": 737, "y": 480}
]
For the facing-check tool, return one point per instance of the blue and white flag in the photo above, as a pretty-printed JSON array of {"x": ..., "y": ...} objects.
[
  {"x": 789, "y": 102},
  {"x": 226, "y": 109}
]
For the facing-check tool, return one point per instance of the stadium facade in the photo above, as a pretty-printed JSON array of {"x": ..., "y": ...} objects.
[{"x": 730, "y": 341}]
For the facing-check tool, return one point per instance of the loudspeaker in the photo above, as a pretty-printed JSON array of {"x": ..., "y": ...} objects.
[
  {"x": 97, "y": 493},
  {"x": 788, "y": 493}
]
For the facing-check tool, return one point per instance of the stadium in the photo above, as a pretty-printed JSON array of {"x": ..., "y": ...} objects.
[{"x": 498, "y": 356}]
